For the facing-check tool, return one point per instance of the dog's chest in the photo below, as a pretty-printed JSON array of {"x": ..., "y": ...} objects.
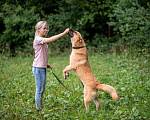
[
  {"x": 72, "y": 57},
  {"x": 75, "y": 57}
]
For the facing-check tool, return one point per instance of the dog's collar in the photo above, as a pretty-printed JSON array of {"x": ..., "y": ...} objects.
[{"x": 78, "y": 47}]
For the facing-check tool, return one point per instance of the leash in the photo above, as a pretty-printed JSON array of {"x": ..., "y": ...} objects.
[{"x": 63, "y": 84}]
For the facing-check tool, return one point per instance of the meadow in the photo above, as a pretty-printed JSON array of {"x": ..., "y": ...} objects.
[{"x": 128, "y": 74}]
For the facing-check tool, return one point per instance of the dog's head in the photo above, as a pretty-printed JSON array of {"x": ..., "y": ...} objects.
[{"x": 76, "y": 38}]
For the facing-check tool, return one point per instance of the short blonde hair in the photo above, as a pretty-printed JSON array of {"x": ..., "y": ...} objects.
[{"x": 38, "y": 26}]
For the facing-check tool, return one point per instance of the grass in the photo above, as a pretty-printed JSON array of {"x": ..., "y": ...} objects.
[{"x": 129, "y": 75}]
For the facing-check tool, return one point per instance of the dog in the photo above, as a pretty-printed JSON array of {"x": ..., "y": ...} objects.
[{"x": 79, "y": 63}]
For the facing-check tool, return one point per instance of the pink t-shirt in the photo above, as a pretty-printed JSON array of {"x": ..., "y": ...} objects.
[{"x": 41, "y": 53}]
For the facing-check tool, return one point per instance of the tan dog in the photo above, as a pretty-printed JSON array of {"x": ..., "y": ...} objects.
[{"x": 79, "y": 63}]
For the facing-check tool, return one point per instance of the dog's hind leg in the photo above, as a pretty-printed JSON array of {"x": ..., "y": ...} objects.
[
  {"x": 86, "y": 102},
  {"x": 86, "y": 98},
  {"x": 90, "y": 95},
  {"x": 95, "y": 100},
  {"x": 97, "y": 104}
]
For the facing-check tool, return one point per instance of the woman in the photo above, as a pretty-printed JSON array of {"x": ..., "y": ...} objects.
[{"x": 40, "y": 62}]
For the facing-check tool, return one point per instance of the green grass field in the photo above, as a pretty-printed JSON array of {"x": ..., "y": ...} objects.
[{"x": 129, "y": 75}]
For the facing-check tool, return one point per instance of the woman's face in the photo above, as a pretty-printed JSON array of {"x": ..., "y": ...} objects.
[{"x": 43, "y": 30}]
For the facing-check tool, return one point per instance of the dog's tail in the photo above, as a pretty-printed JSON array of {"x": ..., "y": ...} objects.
[{"x": 108, "y": 89}]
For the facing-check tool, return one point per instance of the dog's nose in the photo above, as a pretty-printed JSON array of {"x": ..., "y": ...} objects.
[
  {"x": 70, "y": 29},
  {"x": 70, "y": 33}
]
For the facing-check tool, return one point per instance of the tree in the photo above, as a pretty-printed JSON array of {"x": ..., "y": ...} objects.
[
  {"x": 131, "y": 22},
  {"x": 19, "y": 27}
]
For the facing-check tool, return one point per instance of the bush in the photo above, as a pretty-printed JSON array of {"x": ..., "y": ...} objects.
[
  {"x": 131, "y": 22},
  {"x": 19, "y": 28}
]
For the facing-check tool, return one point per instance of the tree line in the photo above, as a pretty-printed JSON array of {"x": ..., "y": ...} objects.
[{"x": 104, "y": 24}]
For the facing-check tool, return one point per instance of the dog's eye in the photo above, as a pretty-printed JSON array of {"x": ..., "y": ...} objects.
[{"x": 76, "y": 33}]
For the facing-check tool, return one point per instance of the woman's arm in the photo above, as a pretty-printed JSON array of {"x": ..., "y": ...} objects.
[{"x": 53, "y": 38}]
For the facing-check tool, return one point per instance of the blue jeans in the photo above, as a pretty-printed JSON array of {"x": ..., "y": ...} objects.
[{"x": 40, "y": 81}]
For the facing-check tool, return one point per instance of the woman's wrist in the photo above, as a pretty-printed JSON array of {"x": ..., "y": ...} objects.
[{"x": 64, "y": 32}]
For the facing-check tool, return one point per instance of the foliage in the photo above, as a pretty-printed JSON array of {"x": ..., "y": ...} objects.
[
  {"x": 92, "y": 18},
  {"x": 128, "y": 74},
  {"x": 19, "y": 27},
  {"x": 88, "y": 18},
  {"x": 131, "y": 22}
]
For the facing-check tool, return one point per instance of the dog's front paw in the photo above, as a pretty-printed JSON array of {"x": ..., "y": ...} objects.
[{"x": 66, "y": 75}]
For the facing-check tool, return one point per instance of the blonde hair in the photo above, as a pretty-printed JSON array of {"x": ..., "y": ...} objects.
[{"x": 38, "y": 26}]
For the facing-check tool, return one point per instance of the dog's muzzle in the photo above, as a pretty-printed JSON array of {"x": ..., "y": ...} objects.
[{"x": 70, "y": 33}]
